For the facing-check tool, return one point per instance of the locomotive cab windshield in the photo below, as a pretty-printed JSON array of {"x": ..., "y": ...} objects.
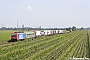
[{"x": 14, "y": 35}]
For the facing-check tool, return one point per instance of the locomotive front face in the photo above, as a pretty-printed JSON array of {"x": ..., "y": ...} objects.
[{"x": 14, "y": 36}]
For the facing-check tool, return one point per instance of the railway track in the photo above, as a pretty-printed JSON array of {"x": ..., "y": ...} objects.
[{"x": 6, "y": 43}]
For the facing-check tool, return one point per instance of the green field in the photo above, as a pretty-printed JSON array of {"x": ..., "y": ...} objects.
[{"x": 56, "y": 47}]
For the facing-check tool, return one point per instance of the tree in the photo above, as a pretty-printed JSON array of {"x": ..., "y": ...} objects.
[
  {"x": 82, "y": 28},
  {"x": 69, "y": 29},
  {"x": 74, "y": 28}
]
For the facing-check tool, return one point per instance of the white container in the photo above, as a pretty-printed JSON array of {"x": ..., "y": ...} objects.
[
  {"x": 46, "y": 32},
  {"x": 42, "y": 33},
  {"x": 57, "y": 31},
  {"x": 38, "y": 33}
]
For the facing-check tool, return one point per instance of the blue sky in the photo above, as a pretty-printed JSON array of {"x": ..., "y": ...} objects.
[{"x": 45, "y": 13}]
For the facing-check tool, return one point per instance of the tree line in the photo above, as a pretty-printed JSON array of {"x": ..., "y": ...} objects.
[{"x": 73, "y": 28}]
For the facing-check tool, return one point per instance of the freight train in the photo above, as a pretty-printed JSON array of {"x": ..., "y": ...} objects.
[{"x": 15, "y": 36}]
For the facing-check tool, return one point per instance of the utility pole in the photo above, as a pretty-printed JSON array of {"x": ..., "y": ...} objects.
[
  {"x": 2, "y": 27},
  {"x": 40, "y": 28},
  {"x": 17, "y": 24},
  {"x": 22, "y": 28}
]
